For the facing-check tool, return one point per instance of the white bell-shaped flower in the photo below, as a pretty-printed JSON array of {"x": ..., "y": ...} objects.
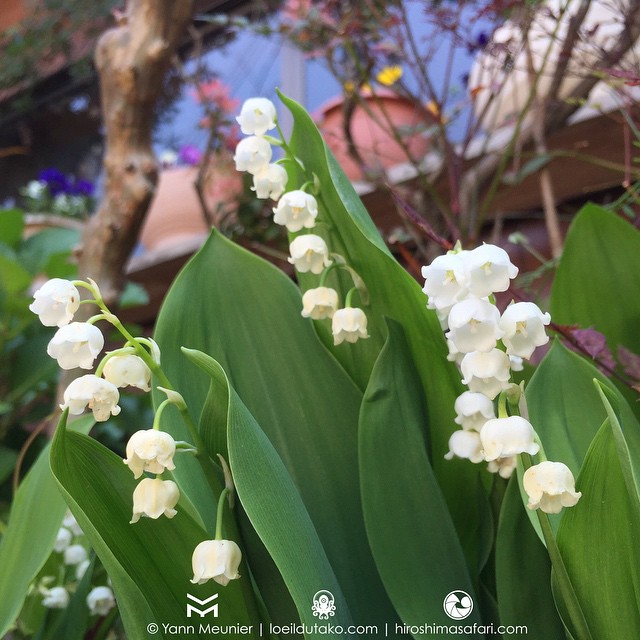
[
  {"x": 486, "y": 373},
  {"x": 296, "y": 210},
  {"x": 253, "y": 154},
  {"x": 76, "y": 345},
  {"x": 216, "y": 560},
  {"x": 504, "y": 467},
  {"x": 454, "y": 355},
  {"x": 465, "y": 444},
  {"x": 69, "y": 521},
  {"x": 446, "y": 280},
  {"x": 75, "y": 554},
  {"x": 153, "y": 498},
  {"x": 473, "y": 325},
  {"x": 55, "y": 302},
  {"x": 81, "y": 569},
  {"x": 349, "y": 324},
  {"x": 319, "y": 303},
  {"x": 309, "y": 252},
  {"x": 257, "y": 116},
  {"x": 490, "y": 270},
  {"x": 270, "y": 182},
  {"x": 100, "y": 601},
  {"x": 55, "y": 598},
  {"x": 473, "y": 410},
  {"x": 550, "y": 486},
  {"x": 127, "y": 370},
  {"x": 516, "y": 363},
  {"x": 63, "y": 539},
  {"x": 504, "y": 437},
  {"x": 89, "y": 391},
  {"x": 523, "y": 326},
  {"x": 150, "y": 450}
]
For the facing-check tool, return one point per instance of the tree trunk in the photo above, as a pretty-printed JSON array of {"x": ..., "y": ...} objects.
[{"x": 131, "y": 60}]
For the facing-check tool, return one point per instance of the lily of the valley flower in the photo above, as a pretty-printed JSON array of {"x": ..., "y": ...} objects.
[
  {"x": 309, "y": 252},
  {"x": 504, "y": 467},
  {"x": 550, "y": 486},
  {"x": 349, "y": 324},
  {"x": 56, "y": 598},
  {"x": 319, "y": 303},
  {"x": 153, "y": 498},
  {"x": 76, "y": 345},
  {"x": 490, "y": 270},
  {"x": 465, "y": 444},
  {"x": 69, "y": 521},
  {"x": 253, "y": 154},
  {"x": 523, "y": 326},
  {"x": 150, "y": 450},
  {"x": 89, "y": 391},
  {"x": 257, "y": 116},
  {"x": 505, "y": 437},
  {"x": 127, "y": 371},
  {"x": 216, "y": 560},
  {"x": 473, "y": 410},
  {"x": 473, "y": 325},
  {"x": 63, "y": 540},
  {"x": 296, "y": 210},
  {"x": 486, "y": 373},
  {"x": 445, "y": 280},
  {"x": 55, "y": 302},
  {"x": 75, "y": 554},
  {"x": 100, "y": 601},
  {"x": 270, "y": 182}
]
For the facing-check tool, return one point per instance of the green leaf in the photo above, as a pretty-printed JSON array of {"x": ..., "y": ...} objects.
[
  {"x": 346, "y": 226},
  {"x": 523, "y": 572},
  {"x": 412, "y": 537},
  {"x": 11, "y": 226},
  {"x": 34, "y": 520},
  {"x": 282, "y": 521},
  {"x": 599, "y": 268},
  {"x": 36, "y": 251},
  {"x": 14, "y": 278},
  {"x": 149, "y": 563},
  {"x": 598, "y": 540},
  {"x": 247, "y": 317}
]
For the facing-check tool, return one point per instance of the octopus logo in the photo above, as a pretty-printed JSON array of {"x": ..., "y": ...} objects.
[
  {"x": 323, "y": 605},
  {"x": 458, "y": 605}
]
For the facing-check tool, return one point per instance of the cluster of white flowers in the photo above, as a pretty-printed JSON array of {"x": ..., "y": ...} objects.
[
  {"x": 78, "y": 344},
  {"x": 296, "y": 210},
  {"x": 460, "y": 286},
  {"x": 71, "y": 545}
]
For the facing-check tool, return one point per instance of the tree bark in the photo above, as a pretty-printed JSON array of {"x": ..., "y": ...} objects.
[{"x": 132, "y": 59}]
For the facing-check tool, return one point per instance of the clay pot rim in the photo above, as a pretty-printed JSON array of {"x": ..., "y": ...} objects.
[{"x": 319, "y": 114}]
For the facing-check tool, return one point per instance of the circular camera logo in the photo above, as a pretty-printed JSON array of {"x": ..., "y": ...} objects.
[{"x": 458, "y": 605}]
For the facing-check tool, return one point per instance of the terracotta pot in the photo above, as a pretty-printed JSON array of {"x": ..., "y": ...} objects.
[
  {"x": 175, "y": 215},
  {"x": 376, "y": 144}
]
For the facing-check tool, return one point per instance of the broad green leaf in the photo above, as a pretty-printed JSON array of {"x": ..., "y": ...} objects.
[
  {"x": 14, "y": 278},
  {"x": 11, "y": 226},
  {"x": 598, "y": 540},
  {"x": 245, "y": 313},
  {"x": 149, "y": 563},
  {"x": 596, "y": 279},
  {"x": 566, "y": 410},
  {"x": 523, "y": 572},
  {"x": 346, "y": 226},
  {"x": 410, "y": 530},
  {"x": 564, "y": 406},
  {"x": 36, "y": 251},
  {"x": 282, "y": 521},
  {"x": 34, "y": 520}
]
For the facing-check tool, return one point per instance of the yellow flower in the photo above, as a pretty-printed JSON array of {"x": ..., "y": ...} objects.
[{"x": 388, "y": 76}]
